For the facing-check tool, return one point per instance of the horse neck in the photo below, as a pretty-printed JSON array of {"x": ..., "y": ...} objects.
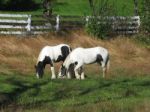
[{"x": 42, "y": 55}]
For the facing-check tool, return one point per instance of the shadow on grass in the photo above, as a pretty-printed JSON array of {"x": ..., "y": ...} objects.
[
  {"x": 21, "y": 87},
  {"x": 78, "y": 91},
  {"x": 65, "y": 90}
]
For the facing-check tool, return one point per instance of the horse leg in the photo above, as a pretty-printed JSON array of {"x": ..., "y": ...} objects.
[
  {"x": 82, "y": 76},
  {"x": 106, "y": 68},
  {"x": 53, "y": 73},
  {"x": 82, "y": 73},
  {"x": 76, "y": 74},
  {"x": 104, "y": 71},
  {"x": 59, "y": 74},
  {"x": 68, "y": 75},
  {"x": 76, "y": 70}
]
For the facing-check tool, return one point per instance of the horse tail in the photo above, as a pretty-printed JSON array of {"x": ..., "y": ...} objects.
[{"x": 107, "y": 64}]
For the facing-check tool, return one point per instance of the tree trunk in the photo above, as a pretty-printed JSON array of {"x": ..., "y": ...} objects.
[
  {"x": 47, "y": 5},
  {"x": 135, "y": 7},
  {"x": 91, "y": 2}
]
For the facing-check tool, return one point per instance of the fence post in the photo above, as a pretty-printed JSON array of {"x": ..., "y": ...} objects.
[
  {"x": 87, "y": 20},
  {"x": 139, "y": 22},
  {"x": 57, "y": 23},
  {"x": 29, "y": 23}
]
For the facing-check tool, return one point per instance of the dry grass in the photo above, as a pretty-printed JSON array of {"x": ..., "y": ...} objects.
[{"x": 20, "y": 54}]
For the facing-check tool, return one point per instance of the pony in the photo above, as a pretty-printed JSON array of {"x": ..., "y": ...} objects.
[
  {"x": 80, "y": 56},
  {"x": 51, "y": 55}
]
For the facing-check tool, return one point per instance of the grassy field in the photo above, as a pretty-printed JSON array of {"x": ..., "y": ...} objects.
[
  {"x": 120, "y": 94},
  {"x": 81, "y": 7},
  {"x": 125, "y": 89}
]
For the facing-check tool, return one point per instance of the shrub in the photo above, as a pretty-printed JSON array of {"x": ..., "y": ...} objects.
[
  {"x": 145, "y": 14},
  {"x": 98, "y": 25},
  {"x": 143, "y": 39}
]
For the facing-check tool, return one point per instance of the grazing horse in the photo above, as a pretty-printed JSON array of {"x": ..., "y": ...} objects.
[
  {"x": 80, "y": 56},
  {"x": 49, "y": 55}
]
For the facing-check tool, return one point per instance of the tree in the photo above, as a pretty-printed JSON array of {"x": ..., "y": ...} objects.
[
  {"x": 91, "y": 4},
  {"x": 47, "y": 5},
  {"x": 98, "y": 25},
  {"x": 135, "y": 7},
  {"x": 18, "y": 5},
  {"x": 145, "y": 15}
]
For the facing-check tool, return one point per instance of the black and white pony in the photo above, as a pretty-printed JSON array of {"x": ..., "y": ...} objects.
[
  {"x": 50, "y": 55},
  {"x": 80, "y": 56}
]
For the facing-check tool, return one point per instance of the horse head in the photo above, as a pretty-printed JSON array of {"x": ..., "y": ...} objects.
[
  {"x": 39, "y": 68},
  {"x": 63, "y": 71}
]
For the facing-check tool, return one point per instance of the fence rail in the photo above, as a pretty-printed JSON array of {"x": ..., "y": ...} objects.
[
  {"x": 36, "y": 24},
  {"x": 21, "y": 24},
  {"x": 120, "y": 24}
]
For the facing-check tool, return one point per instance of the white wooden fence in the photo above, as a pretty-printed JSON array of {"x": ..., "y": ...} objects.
[
  {"x": 25, "y": 24},
  {"x": 20, "y": 24},
  {"x": 120, "y": 24}
]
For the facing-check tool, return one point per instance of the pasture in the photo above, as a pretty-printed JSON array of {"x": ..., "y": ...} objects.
[
  {"x": 125, "y": 89},
  {"x": 119, "y": 94},
  {"x": 81, "y": 8}
]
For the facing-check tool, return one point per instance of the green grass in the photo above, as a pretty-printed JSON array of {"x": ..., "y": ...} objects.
[
  {"x": 119, "y": 94},
  {"x": 81, "y": 7}
]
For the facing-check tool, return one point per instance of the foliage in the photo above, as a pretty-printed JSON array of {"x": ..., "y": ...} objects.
[
  {"x": 145, "y": 14},
  {"x": 143, "y": 39},
  {"x": 19, "y": 5},
  {"x": 99, "y": 25}
]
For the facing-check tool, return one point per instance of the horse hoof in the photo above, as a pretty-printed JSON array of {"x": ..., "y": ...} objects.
[
  {"x": 53, "y": 78},
  {"x": 82, "y": 78}
]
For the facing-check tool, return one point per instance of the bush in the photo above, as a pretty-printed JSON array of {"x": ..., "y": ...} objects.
[
  {"x": 143, "y": 39},
  {"x": 98, "y": 25},
  {"x": 145, "y": 14}
]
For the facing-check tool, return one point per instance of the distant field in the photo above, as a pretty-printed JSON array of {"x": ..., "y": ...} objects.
[{"x": 81, "y": 7}]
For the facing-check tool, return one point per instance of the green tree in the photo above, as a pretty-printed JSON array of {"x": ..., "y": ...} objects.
[
  {"x": 145, "y": 15},
  {"x": 19, "y": 5}
]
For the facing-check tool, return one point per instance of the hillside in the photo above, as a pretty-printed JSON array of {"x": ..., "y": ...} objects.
[
  {"x": 21, "y": 53},
  {"x": 81, "y": 7},
  {"x": 125, "y": 89}
]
